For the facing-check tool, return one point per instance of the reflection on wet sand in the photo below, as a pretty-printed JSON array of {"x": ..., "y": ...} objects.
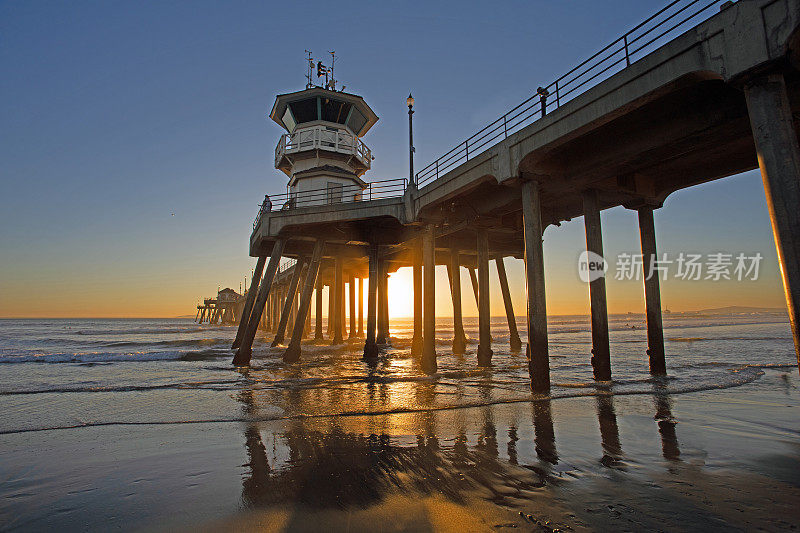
[
  {"x": 545, "y": 435},
  {"x": 457, "y": 455},
  {"x": 666, "y": 423},
  {"x": 609, "y": 431}
]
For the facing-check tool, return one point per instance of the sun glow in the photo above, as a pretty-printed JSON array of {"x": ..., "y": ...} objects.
[{"x": 401, "y": 293}]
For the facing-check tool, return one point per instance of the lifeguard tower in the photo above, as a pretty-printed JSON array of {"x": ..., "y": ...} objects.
[{"x": 321, "y": 151}]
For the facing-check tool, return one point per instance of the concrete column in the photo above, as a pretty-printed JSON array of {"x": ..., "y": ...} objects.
[
  {"x": 601, "y": 353},
  {"x": 276, "y": 305},
  {"x": 484, "y": 311},
  {"x": 652, "y": 293},
  {"x": 416, "y": 341},
  {"x": 292, "y": 352},
  {"x": 382, "y": 303},
  {"x": 360, "y": 332},
  {"x": 288, "y": 304},
  {"x": 539, "y": 358},
  {"x": 429, "y": 305},
  {"x": 338, "y": 291},
  {"x": 244, "y": 352},
  {"x": 779, "y": 160},
  {"x": 307, "y": 320},
  {"x": 474, "y": 280},
  {"x": 352, "y": 297},
  {"x": 318, "y": 309},
  {"x": 370, "y": 345},
  {"x": 266, "y": 317},
  {"x": 454, "y": 273},
  {"x": 513, "y": 335},
  {"x": 331, "y": 299}
]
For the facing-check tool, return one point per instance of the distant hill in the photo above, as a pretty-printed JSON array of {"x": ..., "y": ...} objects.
[{"x": 742, "y": 310}]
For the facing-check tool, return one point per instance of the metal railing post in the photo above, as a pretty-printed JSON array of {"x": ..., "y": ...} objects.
[
  {"x": 627, "y": 57},
  {"x": 466, "y": 147},
  {"x": 505, "y": 127}
]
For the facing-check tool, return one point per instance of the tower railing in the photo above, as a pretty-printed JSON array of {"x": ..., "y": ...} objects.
[
  {"x": 341, "y": 194},
  {"x": 323, "y": 138},
  {"x": 648, "y": 35}
]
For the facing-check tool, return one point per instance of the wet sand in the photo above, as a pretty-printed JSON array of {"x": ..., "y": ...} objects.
[
  {"x": 711, "y": 461},
  {"x": 144, "y": 425}
]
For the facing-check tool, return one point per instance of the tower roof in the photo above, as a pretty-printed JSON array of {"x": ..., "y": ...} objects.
[{"x": 317, "y": 103}]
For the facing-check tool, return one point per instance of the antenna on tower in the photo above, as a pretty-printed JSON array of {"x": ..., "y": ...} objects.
[
  {"x": 333, "y": 63},
  {"x": 310, "y": 65}
]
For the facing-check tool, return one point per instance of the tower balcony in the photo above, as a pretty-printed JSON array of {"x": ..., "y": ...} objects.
[{"x": 322, "y": 138}]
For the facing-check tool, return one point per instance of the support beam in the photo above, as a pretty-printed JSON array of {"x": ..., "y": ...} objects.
[
  {"x": 288, "y": 304},
  {"x": 429, "y": 306},
  {"x": 383, "y": 328},
  {"x": 351, "y": 286},
  {"x": 513, "y": 334},
  {"x": 601, "y": 353},
  {"x": 539, "y": 357},
  {"x": 292, "y": 353},
  {"x": 416, "y": 341},
  {"x": 307, "y": 322},
  {"x": 474, "y": 280},
  {"x": 484, "y": 311},
  {"x": 370, "y": 345},
  {"x": 245, "y": 350},
  {"x": 779, "y": 161},
  {"x": 360, "y": 332},
  {"x": 454, "y": 273},
  {"x": 331, "y": 298},
  {"x": 338, "y": 291},
  {"x": 318, "y": 310},
  {"x": 652, "y": 293}
]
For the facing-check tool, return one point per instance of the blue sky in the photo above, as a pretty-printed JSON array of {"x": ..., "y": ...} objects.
[{"x": 116, "y": 115}]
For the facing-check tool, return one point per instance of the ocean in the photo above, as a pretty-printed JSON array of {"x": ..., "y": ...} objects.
[{"x": 78, "y": 393}]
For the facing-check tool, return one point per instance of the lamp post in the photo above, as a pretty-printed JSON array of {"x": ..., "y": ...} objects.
[{"x": 410, "y": 103}]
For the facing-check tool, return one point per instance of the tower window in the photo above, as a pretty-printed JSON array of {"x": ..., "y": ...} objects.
[
  {"x": 334, "y": 110},
  {"x": 304, "y": 110}
]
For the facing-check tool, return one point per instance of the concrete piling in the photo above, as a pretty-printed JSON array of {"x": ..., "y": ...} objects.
[
  {"x": 370, "y": 344},
  {"x": 292, "y": 353},
  {"x": 351, "y": 288},
  {"x": 779, "y": 160},
  {"x": 484, "y": 310},
  {"x": 288, "y": 304},
  {"x": 652, "y": 293},
  {"x": 539, "y": 358},
  {"x": 429, "y": 304},
  {"x": 338, "y": 291},
  {"x": 244, "y": 352},
  {"x": 318, "y": 308},
  {"x": 513, "y": 334},
  {"x": 601, "y": 353},
  {"x": 360, "y": 332},
  {"x": 454, "y": 273},
  {"x": 416, "y": 341}
]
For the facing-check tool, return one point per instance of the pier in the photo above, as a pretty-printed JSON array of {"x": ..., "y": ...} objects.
[{"x": 656, "y": 111}]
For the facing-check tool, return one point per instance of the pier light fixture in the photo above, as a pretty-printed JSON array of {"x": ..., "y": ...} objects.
[{"x": 410, "y": 103}]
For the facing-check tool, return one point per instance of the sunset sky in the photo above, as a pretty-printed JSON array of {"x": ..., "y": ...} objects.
[{"x": 135, "y": 145}]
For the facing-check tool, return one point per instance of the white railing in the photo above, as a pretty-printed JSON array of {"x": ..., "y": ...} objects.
[{"x": 323, "y": 138}]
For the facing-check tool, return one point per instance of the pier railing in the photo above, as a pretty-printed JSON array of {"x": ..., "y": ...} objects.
[
  {"x": 656, "y": 30},
  {"x": 339, "y": 194}
]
